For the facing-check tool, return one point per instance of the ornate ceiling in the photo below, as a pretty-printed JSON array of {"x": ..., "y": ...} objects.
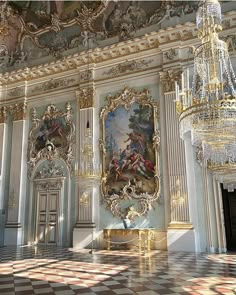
[{"x": 38, "y": 31}]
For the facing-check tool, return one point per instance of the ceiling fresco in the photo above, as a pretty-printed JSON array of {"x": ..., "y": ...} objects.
[{"x": 37, "y": 30}]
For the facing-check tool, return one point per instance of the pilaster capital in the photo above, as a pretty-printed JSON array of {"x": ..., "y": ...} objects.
[
  {"x": 18, "y": 111},
  {"x": 86, "y": 97},
  {"x": 168, "y": 78},
  {"x": 3, "y": 115}
]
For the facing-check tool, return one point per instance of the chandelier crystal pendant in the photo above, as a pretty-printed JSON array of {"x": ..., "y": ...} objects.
[{"x": 208, "y": 109}]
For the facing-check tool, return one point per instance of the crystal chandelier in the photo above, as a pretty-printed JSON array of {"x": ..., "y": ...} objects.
[{"x": 208, "y": 108}]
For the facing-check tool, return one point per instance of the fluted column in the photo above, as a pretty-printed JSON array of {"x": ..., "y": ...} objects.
[
  {"x": 3, "y": 158},
  {"x": 175, "y": 154},
  {"x": 87, "y": 179},
  {"x": 180, "y": 233},
  {"x": 196, "y": 194},
  {"x": 177, "y": 165},
  {"x": 17, "y": 186}
]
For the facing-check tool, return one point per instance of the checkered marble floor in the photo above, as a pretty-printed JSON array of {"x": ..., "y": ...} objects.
[{"x": 55, "y": 270}]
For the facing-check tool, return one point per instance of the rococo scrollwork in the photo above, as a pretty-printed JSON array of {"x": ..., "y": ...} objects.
[
  {"x": 130, "y": 152},
  {"x": 51, "y": 136}
]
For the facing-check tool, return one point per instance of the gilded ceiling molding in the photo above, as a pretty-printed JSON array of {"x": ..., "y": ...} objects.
[
  {"x": 18, "y": 111},
  {"x": 86, "y": 97},
  {"x": 128, "y": 66},
  {"x": 85, "y": 75},
  {"x": 15, "y": 92},
  {"x": 154, "y": 40},
  {"x": 53, "y": 84},
  {"x": 171, "y": 54},
  {"x": 96, "y": 55},
  {"x": 168, "y": 78},
  {"x": 3, "y": 115}
]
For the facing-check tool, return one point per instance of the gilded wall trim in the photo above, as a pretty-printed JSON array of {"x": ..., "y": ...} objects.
[{"x": 154, "y": 40}]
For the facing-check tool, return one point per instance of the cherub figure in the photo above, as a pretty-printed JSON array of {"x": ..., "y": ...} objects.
[{"x": 132, "y": 213}]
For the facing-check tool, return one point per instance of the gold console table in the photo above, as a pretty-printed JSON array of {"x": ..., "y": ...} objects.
[{"x": 144, "y": 236}]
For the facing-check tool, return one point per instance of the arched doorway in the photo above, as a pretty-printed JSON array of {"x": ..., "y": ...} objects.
[{"x": 49, "y": 203}]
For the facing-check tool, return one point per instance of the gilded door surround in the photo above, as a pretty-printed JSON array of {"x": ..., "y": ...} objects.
[
  {"x": 50, "y": 176},
  {"x": 47, "y": 220}
]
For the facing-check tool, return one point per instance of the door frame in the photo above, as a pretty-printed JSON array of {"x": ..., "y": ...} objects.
[
  {"x": 227, "y": 178},
  {"x": 231, "y": 246},
  {"x": 42, "y": 185},
  {"x": 36, "y": 232}
]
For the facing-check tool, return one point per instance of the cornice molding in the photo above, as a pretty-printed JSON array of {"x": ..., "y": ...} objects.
[{"x": 155, "y": 40}]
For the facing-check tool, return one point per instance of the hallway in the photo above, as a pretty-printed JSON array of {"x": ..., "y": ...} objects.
[{"x": 50, "y": 270}]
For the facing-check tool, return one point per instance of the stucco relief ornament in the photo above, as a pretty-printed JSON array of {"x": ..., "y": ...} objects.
[
  {"x": 132, "y": 174},
  {"x": 50, "y": 170},
  {"x": 128, "y": 66},
  {"x": 51, "y": 136}
]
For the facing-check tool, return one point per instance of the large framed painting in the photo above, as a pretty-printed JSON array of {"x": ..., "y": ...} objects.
[
  {"x": 52, "y": 136},
  {"x": 130, "y": 152}
]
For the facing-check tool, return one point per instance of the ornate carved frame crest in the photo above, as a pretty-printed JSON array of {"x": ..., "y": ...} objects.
[
  {"x": 50, "y": 151},
  {"x": 126, "y": 98}
]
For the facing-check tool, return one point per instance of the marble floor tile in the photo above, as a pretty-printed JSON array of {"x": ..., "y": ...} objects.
[{"x": 63, "y": 271}]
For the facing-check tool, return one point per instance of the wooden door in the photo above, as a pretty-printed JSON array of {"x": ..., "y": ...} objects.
[
  {"x": 229, "y": 204},
  {"x": 47, "y": 218}
]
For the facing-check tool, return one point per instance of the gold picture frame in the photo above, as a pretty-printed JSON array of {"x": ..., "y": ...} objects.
[{"x": 130, "y": 167}]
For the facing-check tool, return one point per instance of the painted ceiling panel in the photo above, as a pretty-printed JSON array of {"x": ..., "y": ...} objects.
[{"x": 32, "y": 30}]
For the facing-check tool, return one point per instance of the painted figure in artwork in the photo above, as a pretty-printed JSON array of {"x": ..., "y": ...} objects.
[
  {"x": 139, "y": 164},
  {"x": 130, "y": 156},
  {"x": 136, "y": 141},
  {"x": 125, "y": 157},
  {"x": 51, "y": 129}
]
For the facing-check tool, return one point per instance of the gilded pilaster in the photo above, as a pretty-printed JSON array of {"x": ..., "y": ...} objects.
[
  {"x": 175, "y": 151},
  {"x": 17, "y": 187},
  {"x": 3, "y": 156},
  {"x": 87, "y": 178}
]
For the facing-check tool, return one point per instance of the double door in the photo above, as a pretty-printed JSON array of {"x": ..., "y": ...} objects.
[
  {"x": 47, "y": 217},
  {"x": 229, "y": 203}
]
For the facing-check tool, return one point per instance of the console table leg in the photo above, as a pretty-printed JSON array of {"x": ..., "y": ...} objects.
[
  {"x": 139, "y": 242},
  {"x": 109, "y": 242}
]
